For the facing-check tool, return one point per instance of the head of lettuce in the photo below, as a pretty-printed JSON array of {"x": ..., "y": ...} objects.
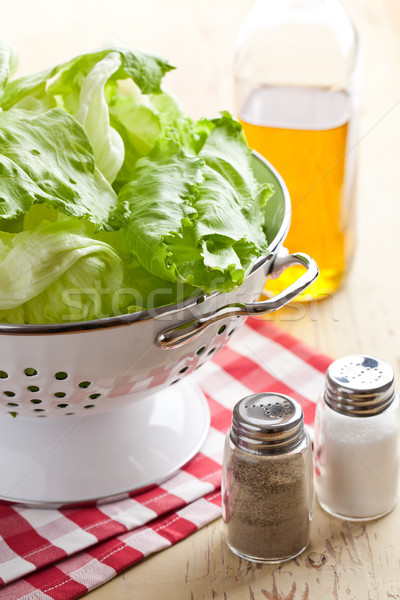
[{"x": 112, "y": 199}]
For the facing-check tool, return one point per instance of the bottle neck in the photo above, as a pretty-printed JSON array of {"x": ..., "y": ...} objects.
[{"x": 307, "y": 44}]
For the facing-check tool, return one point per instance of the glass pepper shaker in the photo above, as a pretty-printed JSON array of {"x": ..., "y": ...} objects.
[
  {"x": 267, "y": 480},
  {"x": 357, "y": 456}
]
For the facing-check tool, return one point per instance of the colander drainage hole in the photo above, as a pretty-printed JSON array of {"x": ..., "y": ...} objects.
[
  {"x": 184, "y": 370},
  {"x": 3, "y": 375},
  {"x": 62, "y": 405},
  {"x": 221, "y": 329},
  {"x": 60, "y": 394},
  {"x": 30, "y": 372},
  {"x": 211, "y": 351},
  {"x": 36, "y": 401},
  {"x": 89, "y": 406},
  {"x": 38, "y": 410},
  {"x": 200, "y": 350},
  {"x": 9, "y": 394},
  {"x": 61, "y": 375},
  {"x": 12, "y": 404},
  {"x": 94, "y": 396},
  {"x": 85, "y": 384},
  {"x": 69, "y": 414},
  {"x": 33, "y": 388}
]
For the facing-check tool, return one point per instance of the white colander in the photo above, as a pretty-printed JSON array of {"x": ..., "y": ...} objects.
[{"x": 117, "y": 371}]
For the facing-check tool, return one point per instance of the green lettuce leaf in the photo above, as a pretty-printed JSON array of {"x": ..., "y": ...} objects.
[
  {"x": 137, "y": 123},
  {"x": 177, "y": 124},
  {"x": 48, "y": 159},
  {"x": 37, "y": 258},
  {"x": 64, "y": 271},
  {"x": 92, "y": 113},
  {"x": 189, "y": 221},
  {"x": 79, "y": 87},
  {"x": 157, "y": 203},
  {"x": 65, "y": 79},
  {"x": 141, "y": 120}
]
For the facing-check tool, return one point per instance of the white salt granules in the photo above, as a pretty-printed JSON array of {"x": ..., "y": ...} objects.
[{"x": 357, "y": 462}]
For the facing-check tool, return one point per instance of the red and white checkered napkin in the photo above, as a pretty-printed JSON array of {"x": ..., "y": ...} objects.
[{"x": 62, "y": 554}]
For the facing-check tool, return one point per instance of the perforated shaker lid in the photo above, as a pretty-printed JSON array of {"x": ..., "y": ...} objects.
[
  {"x": 267, "y": 423},
  {"x": 359, "y": 385}
]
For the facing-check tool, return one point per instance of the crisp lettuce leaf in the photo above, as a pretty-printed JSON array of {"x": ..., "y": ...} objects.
[
  {"x": 138, "y": 126},
  {"x": 78, "y": 87},
  {"x": 48, "y": 159},
  {"x": 157, "y": 203},
  {"x": 177, "y": 124},
  {"x": 227, "y": 152},
  {"x": 64, "y": 271},
  {"x": 38, "y": 257},
  {"x": 142, "y": 120},
  {"x": 188, "y": 221},
  {"x": 65, "y": 79},
  {"x": 92, "y": 113}
]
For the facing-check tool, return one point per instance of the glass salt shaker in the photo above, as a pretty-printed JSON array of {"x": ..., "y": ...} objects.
[
  {"x": 357, "y": 457},
  {"x": 267, "y": 480}
]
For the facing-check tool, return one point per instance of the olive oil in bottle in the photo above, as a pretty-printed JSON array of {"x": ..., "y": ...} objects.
[
  {"x": 304, "y": 133},
  {"x": 296, "y": 94}
]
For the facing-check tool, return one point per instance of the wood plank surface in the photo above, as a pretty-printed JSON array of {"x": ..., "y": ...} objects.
[{"x": 344, "y": 561}]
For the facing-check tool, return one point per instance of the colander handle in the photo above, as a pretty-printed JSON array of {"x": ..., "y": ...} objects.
[{"x": 176, "y": 336}]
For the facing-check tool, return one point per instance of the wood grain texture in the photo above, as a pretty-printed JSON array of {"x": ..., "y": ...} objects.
[{"x": 344, "y": 561}]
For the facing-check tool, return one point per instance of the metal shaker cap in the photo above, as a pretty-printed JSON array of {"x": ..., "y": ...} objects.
[
  {"x": 359, "y": 386},
  {"x": 267, "y": 423}
]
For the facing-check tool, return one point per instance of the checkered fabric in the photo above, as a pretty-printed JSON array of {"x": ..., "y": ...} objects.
[{"x": 62, "y": 554}]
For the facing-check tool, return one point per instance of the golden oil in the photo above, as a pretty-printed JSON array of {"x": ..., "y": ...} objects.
[{"x": 305, "y": 133}]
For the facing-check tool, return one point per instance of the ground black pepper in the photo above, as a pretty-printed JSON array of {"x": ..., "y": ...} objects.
[
  {"x": 268, "y": 498},
  {"x": 268, "y": 512}
]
